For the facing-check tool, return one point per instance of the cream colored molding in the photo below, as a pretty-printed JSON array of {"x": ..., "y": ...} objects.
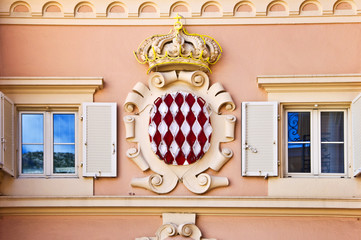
[
  {"x": 177, "y": 224},
  {"x": 328, "y": 12},
  {"x": 202, "y": 205},
  {"x": 123, "y": 21},
  {"x": 302, "y": 88},
  {"x": 167, "y": 176},
  {"x": 50, "y": 90}
]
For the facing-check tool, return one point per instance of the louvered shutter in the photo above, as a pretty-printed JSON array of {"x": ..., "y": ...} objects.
[
  {"x": 99, "y": 139},
  {"x": 356, "y": 135},
  {"x": 7, "y": 156},
  {"x": 259, "y": 139}
]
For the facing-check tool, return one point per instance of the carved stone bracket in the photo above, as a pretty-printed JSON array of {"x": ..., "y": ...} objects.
[
  {"x": 174, "y": 225},
  {"x": 166, "y": 176}
]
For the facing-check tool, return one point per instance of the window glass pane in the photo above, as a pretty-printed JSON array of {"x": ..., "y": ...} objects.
[
  {"x": 299, "y": 160},
  {"x": 64, "y": 158},
  {"x": 32, "y": 126},
  {"x": 332, "y": 127},
  {"x": 32, "y": 159},
  {"x": 332, "y": 158},
  {"x": 298, "y": 126},
  {"x": 64, "y": 128}
]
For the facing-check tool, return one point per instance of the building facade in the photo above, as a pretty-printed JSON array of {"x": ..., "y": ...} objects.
[{"x": 180, "y": 119}]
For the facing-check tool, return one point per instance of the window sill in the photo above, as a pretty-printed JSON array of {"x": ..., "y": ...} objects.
[
  {"x": 313, "y": 187},
  {"x": 41, "y": 186}
]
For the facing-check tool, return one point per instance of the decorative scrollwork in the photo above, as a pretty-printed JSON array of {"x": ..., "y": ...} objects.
[{"x": 156, "y": 180}]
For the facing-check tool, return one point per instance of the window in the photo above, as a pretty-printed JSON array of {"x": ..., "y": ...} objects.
[
  {"x": 315, "y": 142},
  {"x": 47, "y": 143}
]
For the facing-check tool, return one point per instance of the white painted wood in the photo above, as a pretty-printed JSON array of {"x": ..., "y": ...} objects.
[
  {"x": 99, "y": 139},
  {"x": 7, "y": 155},
  {"x": 259, "y": 139},
  {"x": 356, "y": 135}
]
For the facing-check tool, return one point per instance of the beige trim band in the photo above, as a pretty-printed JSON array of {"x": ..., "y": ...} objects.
[
  {"x": 188, "y": 22},
  {"x": 155, "y": 205},
  {"x": 170, "y": 201},
  {"x": 156, "y": 211}
]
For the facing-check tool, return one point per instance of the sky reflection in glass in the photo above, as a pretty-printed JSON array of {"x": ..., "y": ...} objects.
[
  {"x": 32, "y": 128},
  {"x": 64, "y": 128}
]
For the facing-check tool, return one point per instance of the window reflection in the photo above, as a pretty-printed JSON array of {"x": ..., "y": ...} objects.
[
  {"x": 299, "y": 158},
  {"x": 64, "y": 143},
  {"x": 32, "y": 143},
  {"x": 332, "y": 142}
]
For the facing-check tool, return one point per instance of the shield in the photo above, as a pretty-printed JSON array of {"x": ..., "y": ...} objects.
[{"x": 180, "y": 128}]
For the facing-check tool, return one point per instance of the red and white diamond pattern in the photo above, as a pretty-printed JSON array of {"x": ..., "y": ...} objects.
[{"x": 180, "y": 128}]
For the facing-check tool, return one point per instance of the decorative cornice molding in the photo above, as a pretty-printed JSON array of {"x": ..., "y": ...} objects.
[
  {"x": 310, "y": 83},
  {"x": 46, "y": 90},
  {"x": 258, "y": 20},
  {"x": 229, "y": 12},
  {"x": 201, "y": 205},
  {"x": 38, "y": 84}
]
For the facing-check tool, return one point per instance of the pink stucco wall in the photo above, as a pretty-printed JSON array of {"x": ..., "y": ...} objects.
[
  {"x": 248, "y": 51},
  {"x": 220, "y": 228}
]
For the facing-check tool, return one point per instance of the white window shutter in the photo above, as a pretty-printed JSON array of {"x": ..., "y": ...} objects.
[
  {"x": 356, "y": 135},
  {"x": 99, "y": 139},
  {"x": 7, "y": 155},
  {"x": 259, "y": 139}
]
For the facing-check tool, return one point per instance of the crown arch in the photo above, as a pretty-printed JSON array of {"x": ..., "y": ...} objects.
[
  {"x": 117, "y": 10},
  {"x": 277, "y": 8},
  {"x": 211, "y": 9},
  {"x": 84, "y": 10},
  {"x": 20, "y": 9},
  {"x": 148, "y": 9},
  {"x": 244, "y": 9},
  {"x": 52, "y": 9},
  {"x": 310, "y": 8},
  {"x": 344, "y": 7},
  {"x": 181, "y": 8}
]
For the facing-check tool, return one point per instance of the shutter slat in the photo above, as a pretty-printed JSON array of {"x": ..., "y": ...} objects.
[
  {"x": 259, "y": 139},
  {"x": 356, "y": 135},
  {"x": 100, "y": 139}
]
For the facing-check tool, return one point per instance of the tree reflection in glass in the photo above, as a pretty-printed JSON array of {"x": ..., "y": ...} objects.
[
  {"x": 64, "y": 143},
  {"x": 32, "y": 143}
]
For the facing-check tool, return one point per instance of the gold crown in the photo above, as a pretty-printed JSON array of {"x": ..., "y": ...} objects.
[{"x": 178, "y": 50}]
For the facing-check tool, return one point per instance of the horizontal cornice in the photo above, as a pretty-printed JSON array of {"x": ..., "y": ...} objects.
[
  {"x": 203, "y": 205},
  {"x": 310, "y": 83},
  {"x": 227, "y": 15},
  {"x": 188, "y": 22},
  {"x": 36, "y": 84}
]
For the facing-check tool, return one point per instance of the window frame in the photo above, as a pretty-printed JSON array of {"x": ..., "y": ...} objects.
[
  {"x": 315, "y": 138},
  {"x": 48, "y": 131}
]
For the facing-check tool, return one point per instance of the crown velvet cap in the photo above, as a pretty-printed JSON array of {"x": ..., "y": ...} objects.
[{"x": 179, "y": 50}]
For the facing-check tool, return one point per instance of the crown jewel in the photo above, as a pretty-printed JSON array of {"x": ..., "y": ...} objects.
[{"x": 178, "y": 50}]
